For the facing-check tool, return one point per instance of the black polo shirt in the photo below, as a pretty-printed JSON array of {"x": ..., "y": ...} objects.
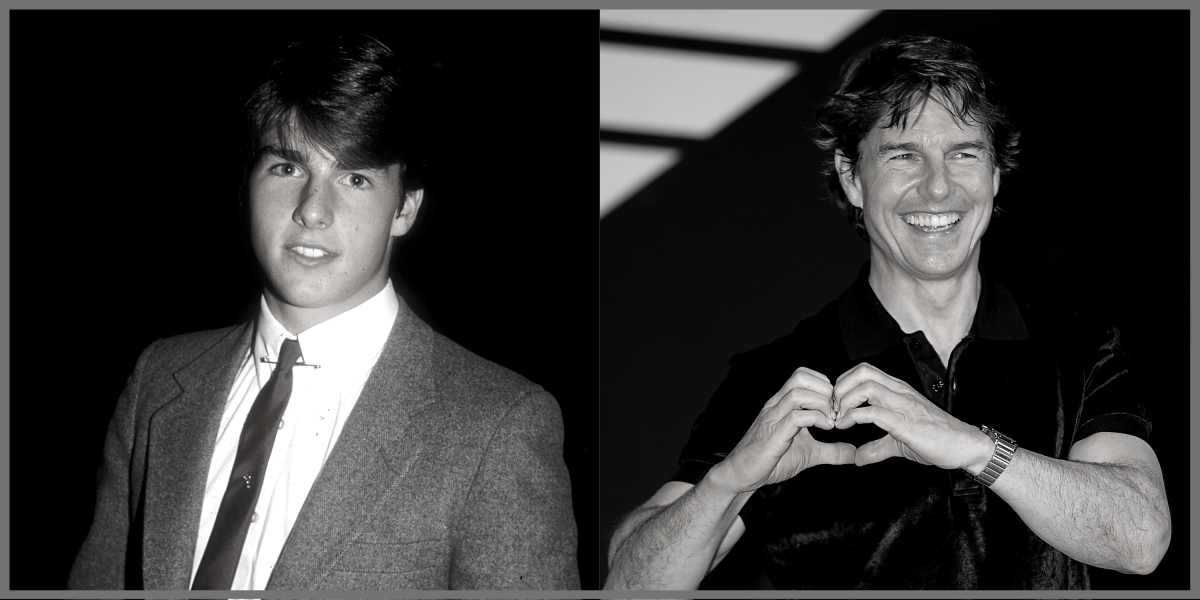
[{"x": 1046, "y": 378}]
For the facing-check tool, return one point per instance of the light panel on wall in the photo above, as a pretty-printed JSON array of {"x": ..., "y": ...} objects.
[
  {"x": 813, "y": 30},
  {"x": 625, "y": 168},
  {"x": 681, "y": 93}
]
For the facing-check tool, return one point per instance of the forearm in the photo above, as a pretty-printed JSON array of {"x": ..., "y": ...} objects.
[
  {"x": 673, "y": 546},
  {"x": 1113, "y": 516}
]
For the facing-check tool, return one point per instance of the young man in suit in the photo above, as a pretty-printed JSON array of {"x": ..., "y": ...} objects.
[{"x": 335, "y": 442}]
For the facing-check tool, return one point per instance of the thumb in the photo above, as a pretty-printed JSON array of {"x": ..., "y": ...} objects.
[
  {"x": 877, "y": 451},
  {"x": 839, "y": 453}
]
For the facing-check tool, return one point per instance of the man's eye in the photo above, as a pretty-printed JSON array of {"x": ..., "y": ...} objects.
[
  {"x": 285, "y": 170},
  {"x": 964, "y": 155},
  {"x": 358, "y": 181},
  {"x": 905, "y": 156}
]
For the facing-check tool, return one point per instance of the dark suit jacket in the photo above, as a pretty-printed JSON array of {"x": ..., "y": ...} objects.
[{"x": 447, "y": 475}]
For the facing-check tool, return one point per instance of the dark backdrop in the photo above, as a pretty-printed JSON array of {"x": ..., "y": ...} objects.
[
  {"x": 736, "y": 244},
  {"x": 125, "y": 226}
]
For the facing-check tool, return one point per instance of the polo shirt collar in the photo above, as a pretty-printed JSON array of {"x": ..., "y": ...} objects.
[{"x": 868, "y": 329}]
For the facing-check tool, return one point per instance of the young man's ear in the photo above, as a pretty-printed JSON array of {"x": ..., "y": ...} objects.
[
  {"x": 406, "y": 215},
  {"x": 849, "y": 179}
]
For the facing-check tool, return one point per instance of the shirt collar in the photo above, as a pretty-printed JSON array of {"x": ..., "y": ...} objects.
[
  {"x": 868, "y": 329},
  {"x": 351, "y": 340}
]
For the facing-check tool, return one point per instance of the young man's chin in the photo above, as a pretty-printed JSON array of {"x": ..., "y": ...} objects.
[{"x": 323, "y": 294}]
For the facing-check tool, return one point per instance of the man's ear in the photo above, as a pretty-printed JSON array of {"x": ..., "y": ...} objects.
[
  {"x": 995, "y": 180},
  {"x": 406, "y": 215},
  {"x": 849, "y": 179}
]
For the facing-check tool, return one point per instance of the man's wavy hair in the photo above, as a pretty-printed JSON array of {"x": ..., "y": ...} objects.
[
  {"x": 883, "y": 84},
  {"x": 348, "y": 95}
]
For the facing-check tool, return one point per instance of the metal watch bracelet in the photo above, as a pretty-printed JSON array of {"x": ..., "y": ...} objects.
[{"x": 1005, "y": 448}]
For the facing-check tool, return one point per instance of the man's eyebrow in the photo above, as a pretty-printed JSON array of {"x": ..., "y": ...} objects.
[
  {"x": 913, "y": 147},
  {"x": 894, "y": 146},
  {"x": 971, "y": 145}
]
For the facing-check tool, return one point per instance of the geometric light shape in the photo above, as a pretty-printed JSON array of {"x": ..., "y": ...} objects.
[
  {"x": 681, "y": 93},
  {"x": 625, "y": 168},
  {"x": 812, "y": 30}
]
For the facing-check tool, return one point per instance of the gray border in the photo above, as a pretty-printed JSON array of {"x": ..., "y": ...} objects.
[
  {"x": 5, "y": 299},
  {"x": 612, "y": 594},
  {"x": 1195, "y": 356}
]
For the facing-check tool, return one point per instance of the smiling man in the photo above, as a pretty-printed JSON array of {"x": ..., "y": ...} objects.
[
  {"x": 1016, "y": 432},
  {"x": 336, "y": 441}
]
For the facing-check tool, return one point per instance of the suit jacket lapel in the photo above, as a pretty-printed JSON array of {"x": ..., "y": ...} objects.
[
  {"x": 371, "y": 456},
  {"x": 180, "y": 440}
]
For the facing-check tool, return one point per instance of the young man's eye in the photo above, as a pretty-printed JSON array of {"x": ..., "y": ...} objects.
[
  {"x": 358, "y": 181},
  {"x": 285, "y": 170}
]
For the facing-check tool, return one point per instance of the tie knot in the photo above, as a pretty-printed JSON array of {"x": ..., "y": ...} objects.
[{"x": 288, "y": 353}]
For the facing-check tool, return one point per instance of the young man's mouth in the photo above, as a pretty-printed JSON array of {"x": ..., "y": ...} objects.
[{"x": 311, "y": 255}]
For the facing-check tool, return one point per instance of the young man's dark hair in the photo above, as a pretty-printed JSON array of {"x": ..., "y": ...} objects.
[
  {"x": 349, "y": 95},
  {"x": 884, "y": 84},
  {"x": 335, "y": 441}
]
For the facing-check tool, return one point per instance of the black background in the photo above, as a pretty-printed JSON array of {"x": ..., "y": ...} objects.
[
  {"x": 125, "y": 226},
  {"x": 736, "y": 244}
]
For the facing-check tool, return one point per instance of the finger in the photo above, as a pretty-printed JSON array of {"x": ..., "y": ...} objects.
[
  {"x": 775, "y": 437},
  {"x": 796, "y": 420},
  {"x": 818, "y": 419},
  {"x": 877, "y": 451},
  {"x": 800, "y": 398},
  {"x": 860, "y": 374},
  {"x": 880, "y": 416},
  {"x": 839, "y": 453},
  {"x": 867, "y": 392},
  {"x": 808, "y": 379}
]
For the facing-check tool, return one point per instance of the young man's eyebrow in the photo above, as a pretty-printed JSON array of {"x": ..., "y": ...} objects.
[
  {"x": 288, "y": 154},
  {"x": 302, "y": 157}
]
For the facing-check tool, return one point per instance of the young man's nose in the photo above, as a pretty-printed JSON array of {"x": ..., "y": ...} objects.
[{"x": 313, "y": 207}]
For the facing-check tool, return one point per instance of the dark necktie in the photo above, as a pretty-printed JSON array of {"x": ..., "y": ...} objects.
[{"x": 220, "y": 560}]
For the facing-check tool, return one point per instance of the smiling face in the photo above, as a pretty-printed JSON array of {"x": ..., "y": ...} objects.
[
  {"x": 323, "y": 233},
  {"x": 926, "y": 193}
]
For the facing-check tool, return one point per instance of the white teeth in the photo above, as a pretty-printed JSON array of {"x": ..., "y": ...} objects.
[
  {"x": 309, "y": 252},
  {"x": 932, "y": 221}
]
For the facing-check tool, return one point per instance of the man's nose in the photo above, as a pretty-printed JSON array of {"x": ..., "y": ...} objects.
[
  {"x": 313, "y": 210},
  {"x": 936, "y": 184}
]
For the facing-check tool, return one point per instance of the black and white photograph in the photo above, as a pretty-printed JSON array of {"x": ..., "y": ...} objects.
[
  {"x": 894, "y": 300},
  {"x": 302, "y": 301}
]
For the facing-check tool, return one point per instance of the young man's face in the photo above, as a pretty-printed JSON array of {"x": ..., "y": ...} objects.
[{"x": 323, "y": 233}]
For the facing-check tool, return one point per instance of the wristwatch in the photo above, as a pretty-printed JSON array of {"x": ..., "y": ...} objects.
[{"x": 1005, "y": 448}]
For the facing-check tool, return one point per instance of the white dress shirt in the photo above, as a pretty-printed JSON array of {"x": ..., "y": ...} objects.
[{"x": 346, "y": 348}]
